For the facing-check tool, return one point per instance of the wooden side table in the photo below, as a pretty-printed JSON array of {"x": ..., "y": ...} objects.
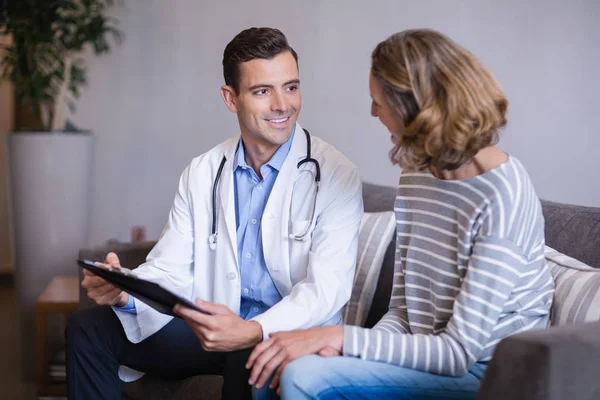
[{"x": 60, "y": 296}]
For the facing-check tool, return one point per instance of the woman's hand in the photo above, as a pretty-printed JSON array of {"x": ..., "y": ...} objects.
[{"x": 281, "y": 348}]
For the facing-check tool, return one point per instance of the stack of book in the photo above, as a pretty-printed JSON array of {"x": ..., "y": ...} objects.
[{"x": 57, "y": 367}]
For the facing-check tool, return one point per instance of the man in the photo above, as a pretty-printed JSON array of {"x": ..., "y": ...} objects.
[{"x": 273, "y": 249}]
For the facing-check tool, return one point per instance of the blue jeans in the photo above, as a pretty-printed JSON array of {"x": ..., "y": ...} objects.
[{"x": 315, "y": 377}]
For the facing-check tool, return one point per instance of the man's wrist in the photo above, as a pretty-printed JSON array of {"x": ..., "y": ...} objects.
[
  {"x": 123, "y": 300},
  {"x": 336, "y": 339},
  {"x": 256, "y": 332}
]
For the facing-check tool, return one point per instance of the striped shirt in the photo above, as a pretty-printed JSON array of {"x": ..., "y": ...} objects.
[{"x": 470, "y": 270}]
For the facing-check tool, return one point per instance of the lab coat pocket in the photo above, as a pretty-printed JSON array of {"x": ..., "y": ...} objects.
[
  {"x": 300, "y": 230},
  {"x": 300, "y": 241}
]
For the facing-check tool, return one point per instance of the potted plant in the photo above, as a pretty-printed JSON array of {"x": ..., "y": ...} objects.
[{"x": 49, "y": 161}]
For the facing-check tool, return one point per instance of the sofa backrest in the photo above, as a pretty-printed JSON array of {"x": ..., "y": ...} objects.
[
  {"x": 574, "y": 231},
  {"x": 569, "y": 229}
]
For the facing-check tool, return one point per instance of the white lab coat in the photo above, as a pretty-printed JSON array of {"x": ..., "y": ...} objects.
[{"x": 314, "y": 276}]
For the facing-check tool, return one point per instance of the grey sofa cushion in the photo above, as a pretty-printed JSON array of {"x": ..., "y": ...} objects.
[
  {"x": 573, "y": 230},
  {"x": 378, "y": 198}
]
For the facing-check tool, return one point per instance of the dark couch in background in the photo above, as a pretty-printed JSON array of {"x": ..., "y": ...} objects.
[{"x": 556, "y": 363}]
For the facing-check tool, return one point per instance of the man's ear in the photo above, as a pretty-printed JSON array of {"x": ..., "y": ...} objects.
[{"x": 229, "y": 97}]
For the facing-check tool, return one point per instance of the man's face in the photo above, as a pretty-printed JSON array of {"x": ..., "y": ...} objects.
[
  {"x": 268, "y": 101},
  {"x": 381, "y": 110}
]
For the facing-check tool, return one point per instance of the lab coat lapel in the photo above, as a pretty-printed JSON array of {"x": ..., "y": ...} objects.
[
  {"x": 227, "y": 196},
  {"x": 275, "y": 222}
]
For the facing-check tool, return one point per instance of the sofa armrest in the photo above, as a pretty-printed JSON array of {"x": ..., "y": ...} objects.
[
  {"x": 131, "y": 255},
  {"x": 554, "y": 363}
]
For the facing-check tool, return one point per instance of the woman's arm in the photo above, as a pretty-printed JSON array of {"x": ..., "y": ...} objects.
[
  {"x": 494, "y": 268},
  {"x": 396, "y": 319}
]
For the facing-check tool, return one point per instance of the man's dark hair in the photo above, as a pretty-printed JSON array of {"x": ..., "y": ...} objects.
[{"x": 250, "y": 44}]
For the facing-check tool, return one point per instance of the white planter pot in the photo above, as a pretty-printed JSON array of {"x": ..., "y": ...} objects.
[{"x": 50, "y": 184}]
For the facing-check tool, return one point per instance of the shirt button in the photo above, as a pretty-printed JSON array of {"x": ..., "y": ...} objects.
[
  {"x": 255, "y": 309},
  {"x": 259, "y": 187},
  {"x": 248, "y": 255},
  {"x": 246, "y": 291},
  {"x": 231, "y": 276},
  {"x": 254, "y": 221}
]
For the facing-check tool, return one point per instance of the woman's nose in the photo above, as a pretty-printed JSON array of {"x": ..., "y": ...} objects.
[{"x": 373, "y": 109}]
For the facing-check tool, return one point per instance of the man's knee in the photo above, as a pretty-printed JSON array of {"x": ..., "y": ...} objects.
[
  {"x": 95, "y": 321},
  {"x": 76, "y": 324}
]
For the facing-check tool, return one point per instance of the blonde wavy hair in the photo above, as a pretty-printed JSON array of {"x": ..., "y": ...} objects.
[{"x": 450, "y": 104}]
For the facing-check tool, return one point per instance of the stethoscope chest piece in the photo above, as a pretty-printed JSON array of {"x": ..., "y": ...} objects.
[{"x": 212, "y": 241}]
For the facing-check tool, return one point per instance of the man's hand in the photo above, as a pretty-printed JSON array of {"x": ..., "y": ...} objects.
[
  {"x": 223, "y": 330},
  {"x": 100, "y": 290},
  {"x": 284, "y": 347}
]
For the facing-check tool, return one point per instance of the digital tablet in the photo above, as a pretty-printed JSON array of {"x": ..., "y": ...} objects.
[{"x": 154, "y": 295}]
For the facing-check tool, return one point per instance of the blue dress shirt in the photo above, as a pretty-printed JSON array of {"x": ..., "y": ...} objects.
[{"x": 251, "y": 194}]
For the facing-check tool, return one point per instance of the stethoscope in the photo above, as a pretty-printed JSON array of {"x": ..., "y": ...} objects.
[{"x": 212, "y": 239}]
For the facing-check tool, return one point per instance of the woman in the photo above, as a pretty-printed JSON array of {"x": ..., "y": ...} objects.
[{"x": 470, "y": 267}]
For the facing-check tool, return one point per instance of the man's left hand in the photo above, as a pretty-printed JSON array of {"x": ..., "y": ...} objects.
[
  {"x": 281, "y": 348},
  {"x": 222, "y": 330}
]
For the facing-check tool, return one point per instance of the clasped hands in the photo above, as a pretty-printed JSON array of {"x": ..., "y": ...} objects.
[
  {"x": 271, "y": 356},
  {"x": 224, "y": 330}
]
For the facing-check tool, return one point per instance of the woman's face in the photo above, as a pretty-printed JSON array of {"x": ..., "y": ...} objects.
[{"x": 381, "y": 110}]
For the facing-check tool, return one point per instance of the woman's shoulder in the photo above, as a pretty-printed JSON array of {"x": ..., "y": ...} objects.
[
  {"x": 504, "y": 185},
  {"x": 515, "y": 212},
  {"x": 509, "y": 184}
]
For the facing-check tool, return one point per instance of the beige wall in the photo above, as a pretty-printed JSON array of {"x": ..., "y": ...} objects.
[
  {"x": 6, "y": 125},
  {"x": 154, "y": 102}
]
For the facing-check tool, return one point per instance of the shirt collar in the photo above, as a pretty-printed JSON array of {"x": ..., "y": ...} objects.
[{"x": 275, "y": 162}]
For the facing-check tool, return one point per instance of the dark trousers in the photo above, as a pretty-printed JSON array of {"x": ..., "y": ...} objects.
[{"x": 97, "y": 346}]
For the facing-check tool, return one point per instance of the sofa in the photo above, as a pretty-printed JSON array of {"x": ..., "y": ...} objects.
[{"x": 561, "y": 362}]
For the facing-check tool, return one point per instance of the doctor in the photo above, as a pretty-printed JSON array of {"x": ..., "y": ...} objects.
[{"x": 263, "y": 233}]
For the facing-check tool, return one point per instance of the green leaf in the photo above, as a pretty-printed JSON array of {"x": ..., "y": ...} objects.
[{"x": 44, "y": 32}]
